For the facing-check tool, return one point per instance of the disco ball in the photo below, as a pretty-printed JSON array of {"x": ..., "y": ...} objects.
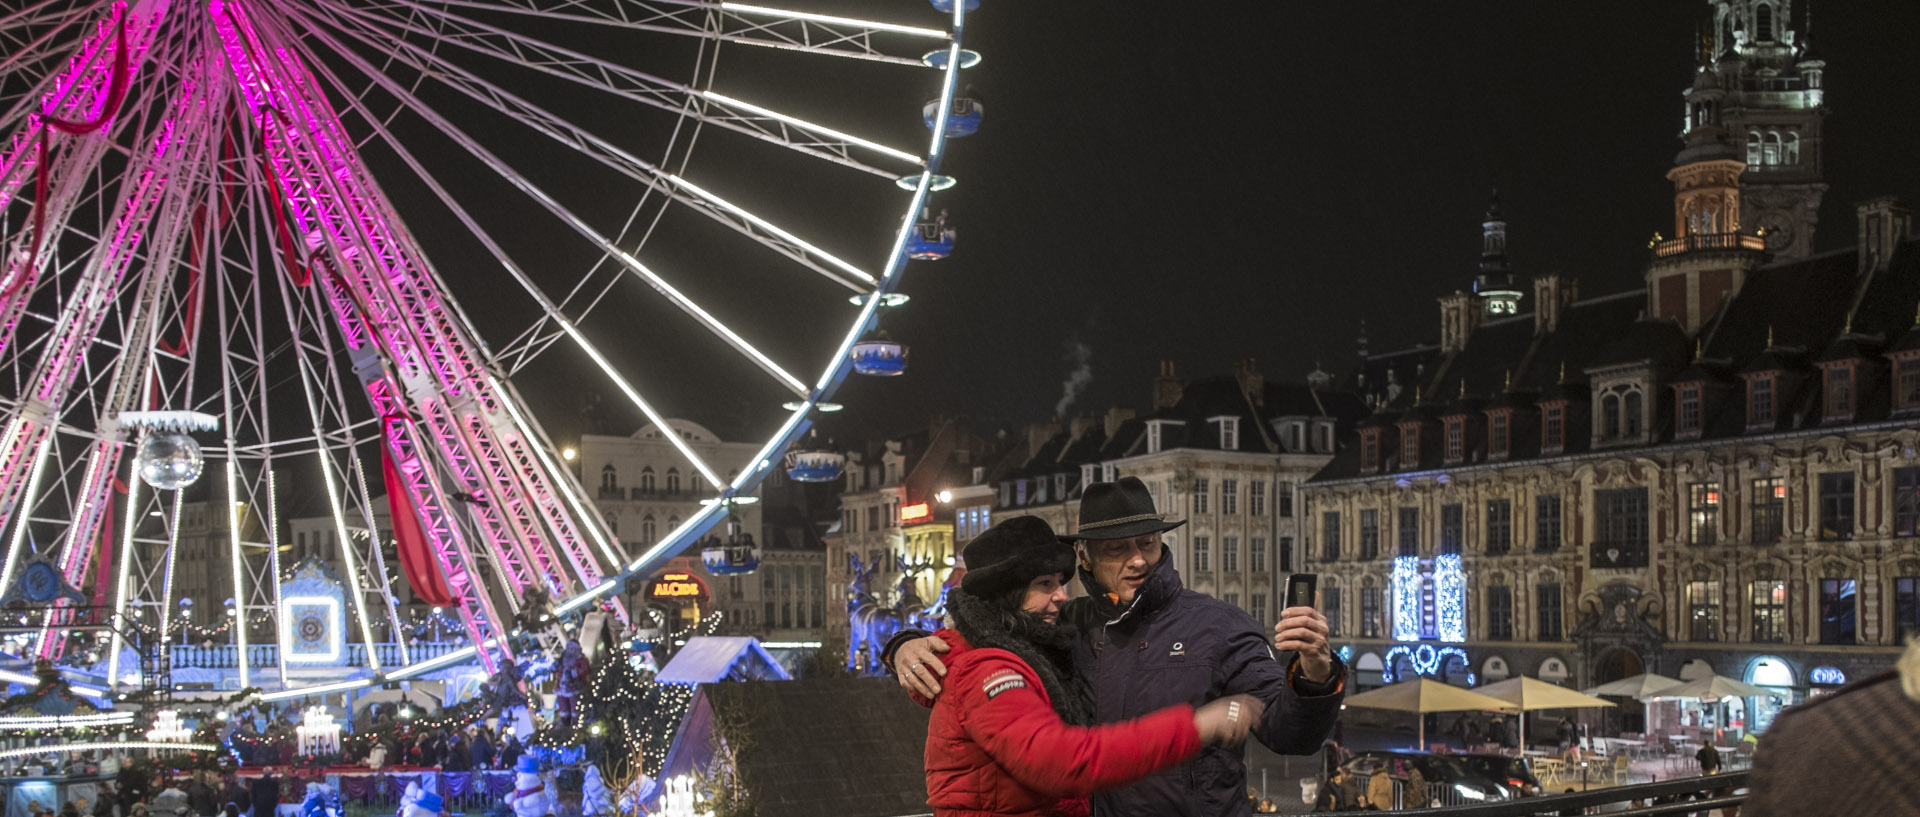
[{"x": 170, "y": 460}]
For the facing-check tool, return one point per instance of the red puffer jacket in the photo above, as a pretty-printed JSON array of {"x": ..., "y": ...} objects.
[{"x": 996, "y": 747}]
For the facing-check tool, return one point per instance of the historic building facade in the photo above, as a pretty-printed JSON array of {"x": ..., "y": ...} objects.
[{"x": 1717, "y": 472}]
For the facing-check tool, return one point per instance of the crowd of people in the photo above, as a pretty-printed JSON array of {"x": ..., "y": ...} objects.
[{"x": 394, "y": 741}]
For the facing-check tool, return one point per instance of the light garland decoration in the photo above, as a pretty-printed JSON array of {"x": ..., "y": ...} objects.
[
  {"x": 318, "y": 733},
  {"x": 1451, "y": 597},
  {"x": 21, "y": 723},
  {"x": 108, "y": 746},
  {"x": 1426, "y": 660},
  {"x": 1406, "y": 598},
  {"x": 168, "y": 729}
]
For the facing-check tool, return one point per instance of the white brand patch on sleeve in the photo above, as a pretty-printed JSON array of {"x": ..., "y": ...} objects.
[{"x": 1002, "y": 682}]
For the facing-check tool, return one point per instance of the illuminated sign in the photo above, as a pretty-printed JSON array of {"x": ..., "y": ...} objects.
[
  {"x": 1828, "y": 675},
  {"x": 677, "y": 587},
  {"x": 911, "y": 513}
]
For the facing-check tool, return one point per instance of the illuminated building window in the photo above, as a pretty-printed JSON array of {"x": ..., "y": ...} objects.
[
  {"x": 1369, "y": 534},
  {"x": 1452, "y": 524},
  {"x": 1369, "y": 612},
  {"x": 1409, "y": 532},
  {"x": 1769, "y": 611},
  {"x": 1703, "y": 611},
  {"x": 1499, "y": 525},
  {"x": 1407, "y": 593},
  {"x": 1546, "y": 523},
  {"x": 1450, "y": 598},
  {"x": 1546, "y": 607},
  {"x": 1836, "y": 505},
  {"x": 1500, "y": 613},
  {"x": 1838, "y": 612},
  {"x": 1906, "y": 501},
  {"x": 1769, "y": 511},
  {"x": 1703, "y": 515}
]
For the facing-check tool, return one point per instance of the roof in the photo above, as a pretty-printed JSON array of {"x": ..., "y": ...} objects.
[{"x": 707, "y": 659}]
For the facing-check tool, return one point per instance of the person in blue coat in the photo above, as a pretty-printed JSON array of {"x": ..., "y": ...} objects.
[{"x": 1146, "y": 642}]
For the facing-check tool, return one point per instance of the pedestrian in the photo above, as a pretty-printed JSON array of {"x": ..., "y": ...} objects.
[
  {"x": 480, "y": 749},
  {"x": 1013, "y": 734},
  {"x": 458, "y": 758},
  {"x": 1497, "y": 730},
  {"x": 1337, "y": 792},
  {"x": 1138, "y": 623},
  {"x": 1709, "y": 759},
  {"x": 509, "y": 751},
  {"x": 266, "y": 794},
  {"x": 1564, "y": 734}
]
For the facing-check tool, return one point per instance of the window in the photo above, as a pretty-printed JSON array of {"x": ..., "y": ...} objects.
[
  {"x": 1839, "y": 392},
  {"x": 1499, "y": 525},
  {"x": 1837, "y": 611},
  {"x": 1836, "y": 505},
  {"x": 1546, "y": 607},
  {"x": 1760, "y": 401},
  {"x": 1635, "y": 415},
  {"x": 1451, "y": 528},
  {"x": 1409, "y": 532},
  {"x": 1906, "y": 383},
  {"x": 1257, "y": 550},
  {"x": 1703, "y": 516},
  {"x": 1497, "y": 434},
  {"x": 1296, "y": 436},
  {"x": 1763, "y": 25},
  {"x": 1154, "y": 437},
  {"x": 1906, "y": 606},
  {"x": 1769, "y": 510},
  {"x": 1370, "y": 450},
  {"x": 1369, "y": 534},
  {"x": 1770, "y": 611},
  {"x": 873, "y": 518},
  {"x": 786, "y": 614},
  {"x": 1330, "y": 536},
  {"x": 646, "y": 529},
  {"x": 609, "y": 478},
  {"x": 1546, "y": 522},
  {"x": 1703, "y": 611},
  {"x": 1232, "y": 599},
  {"x": 1257, "y": 497},
  {"x": 1609, "y": 417},
  {"x": 1330, "y": 599},
  {"x": 1286, "y": 553},
  {"x": 1230, "y": 554},
  {"x": 1456, "y": 439},
  {"x": 673, "y": 480},
  {"x": 1689, "y": 410},
  {"x": 1410, "y": 446},
  {"x": 1369, "y": 612},
  {"x": 1283, "y": 498},
  {"x": 1620, "y": 522},
  {"x": 1553, "y": 428},
  {"x": 1202, "y": 557},
  {"x": 646, "y": 480},
  {"x": 1906, "y": 501},
  {"x": 1200, "y": 495},
  {"x": 1229, "y": 433},
  {"x": 1229, "y": 496},
  {"x": 1259, "y": 610},
  {"x": 1500, "y": 613},
  {"x": 1323, "y": 438}
]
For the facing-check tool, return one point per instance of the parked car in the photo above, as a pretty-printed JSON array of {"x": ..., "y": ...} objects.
[
  {"x": 1514, "y": 774},
  {"x": 1449, "y": 780}
]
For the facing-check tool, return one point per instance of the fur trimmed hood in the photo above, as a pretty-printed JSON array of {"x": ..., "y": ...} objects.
[{"x": 1047, "y": 649}]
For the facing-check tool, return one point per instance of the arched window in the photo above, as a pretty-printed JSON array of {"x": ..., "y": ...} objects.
[
  {"x": 1753, "y": 149},
  {"x": 1609, "y": 417},
  {"x": 613, "y": 523},
  {"x": 646, "y": 480},
  {"x": 673, "y": 480},
  {"x": 1791, "y": 155},
  {"x": 1763, "y": 23},
  {"x": 609, "y": 478},
  {"x": 1632, "y": 424},
  {"x": 646, "y": 529},
  {"x": 1770, "y": 150},
  {"x": 673, "y": 523}
]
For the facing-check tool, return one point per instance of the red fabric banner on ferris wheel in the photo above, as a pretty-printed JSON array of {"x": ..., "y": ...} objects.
[{"x": 416, "y": 556}]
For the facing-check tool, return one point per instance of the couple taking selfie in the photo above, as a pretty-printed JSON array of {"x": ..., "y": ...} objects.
[{"x": 1138, "y": 695}]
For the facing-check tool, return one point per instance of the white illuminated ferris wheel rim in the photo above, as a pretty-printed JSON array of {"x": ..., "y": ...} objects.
[{"x": 187, "y": 200}]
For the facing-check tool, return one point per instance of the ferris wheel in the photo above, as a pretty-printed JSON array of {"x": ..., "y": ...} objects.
[{"x": 258, "y": 250}]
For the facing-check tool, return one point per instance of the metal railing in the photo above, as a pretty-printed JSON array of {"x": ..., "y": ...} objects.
[
  {"x": 1708, "y": 241},
  {"x": 1687, "y": 796},
  {"x": 261, "y": 656}
]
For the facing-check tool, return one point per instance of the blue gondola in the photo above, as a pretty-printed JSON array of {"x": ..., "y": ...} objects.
[
  {"x": 730, "y": 557},
  {"x": 815, "y": 466},
  {"x": 946, "y": 6},
  {"x": 879, "y": 356},
  {"x": 963, "y": 115},
  {"x": 932, "y": 239}
]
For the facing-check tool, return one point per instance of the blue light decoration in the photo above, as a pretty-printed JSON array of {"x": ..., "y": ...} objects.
[
  {"x": 946, "y": 6},
  {"x": 1831, "y": 676},
  {"x": 1426, "y": 659},
  {"x": 1346, "y": 653},
  {"x": 1451, "y": 598},
  {"x": 1406, "y": 598}
]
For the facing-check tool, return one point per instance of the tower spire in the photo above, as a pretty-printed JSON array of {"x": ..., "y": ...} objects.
[{"x": 1495, "y": 284}]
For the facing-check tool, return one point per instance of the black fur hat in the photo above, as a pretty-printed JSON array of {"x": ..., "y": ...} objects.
[{"x": 1012, "y": 554}]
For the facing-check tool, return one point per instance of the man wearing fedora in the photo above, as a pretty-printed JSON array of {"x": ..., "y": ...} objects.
[{"x": 1143, "y": 642}]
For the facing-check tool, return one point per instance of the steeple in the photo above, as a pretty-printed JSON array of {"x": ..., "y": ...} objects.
[
  {"x": 1761, "y": 95},
  {"x": 1499, "y": 293}
]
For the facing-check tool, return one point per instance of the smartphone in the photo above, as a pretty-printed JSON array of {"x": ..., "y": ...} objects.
[{"x": 1300, "y": 589}]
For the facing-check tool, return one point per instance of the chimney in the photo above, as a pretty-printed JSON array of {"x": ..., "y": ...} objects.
[
  {"x": 1116, "y": 416},
  {"x": 1166, "y": 388},
  {"x": 1459, "y": 316},
  {"x": 1884, "y": 223},
  {"x": 1081, "y": 423},
  {"x": 1039, "y": 433},
  {"x": 1552, "y": 293},
  {"x": 1251, "y": 383}
]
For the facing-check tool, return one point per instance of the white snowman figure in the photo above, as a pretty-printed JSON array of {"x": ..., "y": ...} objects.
[
  {"x": 408, "y": 798},
  {"x": 427, "y": 804},
  {"x": 529, "y": 795}
]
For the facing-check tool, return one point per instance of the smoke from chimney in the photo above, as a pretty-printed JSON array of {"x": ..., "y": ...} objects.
[{"x": 1080, "y": 356}]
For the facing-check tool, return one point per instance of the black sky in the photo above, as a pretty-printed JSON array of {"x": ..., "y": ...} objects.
[{"x": 1201, "y": 182}]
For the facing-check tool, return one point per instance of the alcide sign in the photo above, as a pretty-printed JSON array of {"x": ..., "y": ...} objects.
[{"x": 678, "y": 588}]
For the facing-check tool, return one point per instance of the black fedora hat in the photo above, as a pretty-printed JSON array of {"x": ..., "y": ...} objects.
[
  {"x": 1119, "y": 510},
  {"x": 1012, "y": 554}
]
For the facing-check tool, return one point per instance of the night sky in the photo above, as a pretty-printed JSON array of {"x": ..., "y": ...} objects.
[{"x": 1201, "y": 182}]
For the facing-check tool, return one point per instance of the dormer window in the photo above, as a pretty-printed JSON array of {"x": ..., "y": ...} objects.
[
  {"x": 1499, "y": 433},
  {"x": 1839, "y": 392},
  {"x": 1456, "y": 439},
  {"x": 1296, "y": 436},
  {"x": 1323, "y": 437},
  {"x": 1553, "y": 428},
  {"x": 1229, "y": 432},
  {"x": 1370, "y": 450},
  {"x": 1106, "y": 472},
  {"x": 1086, "y": 475},
  {"x": 1157, "y": 435},
  {"x": 1760, "y": 401},
  {"x": 1410, "y": 446},
  {"x": 1060, "y": 487},
  {"x": 1622, "y": 413}
]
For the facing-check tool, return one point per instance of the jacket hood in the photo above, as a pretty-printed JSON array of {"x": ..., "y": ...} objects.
[
  {"x": 982, "y": 624},
  {"x": 1160, "y": 589}
]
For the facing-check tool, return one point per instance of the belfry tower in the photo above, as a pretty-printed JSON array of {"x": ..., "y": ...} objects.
[
  {"x": 1760, "y": 84},
  {"x": 1496, "y": 287}
]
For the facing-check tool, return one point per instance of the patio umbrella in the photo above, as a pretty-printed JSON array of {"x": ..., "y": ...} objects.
[
  {"x": 1712, "y": 688},
  {"x": 1532, "y": 693},
  {"x": 1423, "y": 696},
  {"x": 1643, "y": 686}
]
